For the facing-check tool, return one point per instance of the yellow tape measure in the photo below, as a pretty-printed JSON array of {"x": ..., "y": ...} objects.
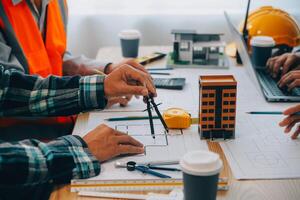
[{"x": 177, "y": 118}]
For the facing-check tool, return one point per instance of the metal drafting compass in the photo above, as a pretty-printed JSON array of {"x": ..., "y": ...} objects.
[{"x": 151, "y": 104}]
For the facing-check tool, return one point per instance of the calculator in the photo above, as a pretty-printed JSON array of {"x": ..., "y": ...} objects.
[{"x": 169, "y": 83}]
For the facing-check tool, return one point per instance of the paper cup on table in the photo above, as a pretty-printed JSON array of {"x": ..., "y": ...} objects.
[
  {"x": 130, "y": 43},
  {"x": 262, "y": 47},
  {"x": 201, "y": 171}
]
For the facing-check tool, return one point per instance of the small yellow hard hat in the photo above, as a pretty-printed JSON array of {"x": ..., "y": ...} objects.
[{"x": 273, "y": 22}]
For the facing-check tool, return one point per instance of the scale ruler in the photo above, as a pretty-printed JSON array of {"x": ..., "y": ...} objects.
[{"x": 134, "y": 185}]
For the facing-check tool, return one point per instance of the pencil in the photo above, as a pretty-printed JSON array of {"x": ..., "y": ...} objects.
[
  {"x": 159, "y": 69},
  {"x": 159, "y": 73},
  {"x": 130, "y": 118},
  {"x": 269, "y": 113}
]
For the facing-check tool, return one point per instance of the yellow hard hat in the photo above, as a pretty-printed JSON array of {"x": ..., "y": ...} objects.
[{"x": 273, "y": 22}]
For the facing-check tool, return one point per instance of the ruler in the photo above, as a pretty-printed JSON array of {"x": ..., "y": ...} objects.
[
  {"x": 134, "y": 185},
  {"x": 126, "y": 195}
]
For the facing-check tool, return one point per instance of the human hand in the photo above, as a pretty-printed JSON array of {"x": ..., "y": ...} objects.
[
  {"x": 127, "y": 80},
  {"x": 123, "y": 101},
  {"x": 291, "y": 120},
  {"x": 106, "y": 143},
  {"x": 285, "y": 62},
  {"x": 130, "y": 62},
  {"x": 290, "y": 80}
]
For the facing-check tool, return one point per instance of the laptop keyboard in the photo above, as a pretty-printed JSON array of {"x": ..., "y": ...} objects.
[
  {"x": 296, "y": 91},
  {"x": 272, "y": 85}
]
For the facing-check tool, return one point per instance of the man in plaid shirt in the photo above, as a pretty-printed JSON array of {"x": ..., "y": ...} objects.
[{"x": 30, "y": 165}]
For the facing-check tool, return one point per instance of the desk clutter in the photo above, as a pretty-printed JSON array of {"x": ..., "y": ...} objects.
[
  {"x": 150, "y": 172},
  {"x": 176, "y": 155},
  {"x": 245, "y": 160},
  {"x": 156, "y": 170},
  {"x": 139, "y": 173}
]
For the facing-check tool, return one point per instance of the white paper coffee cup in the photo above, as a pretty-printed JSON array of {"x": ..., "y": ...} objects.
[
  {"x": 262, "y": 47},
  {"x": 262, "y": 41},
  {"x": 130, "y": 34},
  {"x": 130, "y": 43},
  {"x": 201, "y": 171}
]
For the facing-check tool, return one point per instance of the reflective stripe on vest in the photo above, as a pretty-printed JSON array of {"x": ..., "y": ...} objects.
[{"x": 20, "y": 29}]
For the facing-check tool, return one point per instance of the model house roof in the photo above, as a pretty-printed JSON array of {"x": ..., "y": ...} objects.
[
  {"x": 187, "y": 34},
  {"x": 217, "y": 80},
  {"x": 184, "y": 32}
]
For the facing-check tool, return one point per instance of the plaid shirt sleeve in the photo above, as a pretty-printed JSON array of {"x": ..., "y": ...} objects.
[
  {"x": 25, "y": 95},
  {"x": 31, "y": 162}
]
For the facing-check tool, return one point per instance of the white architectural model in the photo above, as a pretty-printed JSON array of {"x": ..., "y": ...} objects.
[{"x": 191, "y": 49}]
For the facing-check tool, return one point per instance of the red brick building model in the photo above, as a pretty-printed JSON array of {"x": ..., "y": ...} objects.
[{"x": 217, "y": 106}]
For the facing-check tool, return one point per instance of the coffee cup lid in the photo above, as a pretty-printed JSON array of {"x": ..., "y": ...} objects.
[
  {"x": 130, "y": 34},
  {"x": 262, "y": 41},
  {"x": 201, "y": 163}
]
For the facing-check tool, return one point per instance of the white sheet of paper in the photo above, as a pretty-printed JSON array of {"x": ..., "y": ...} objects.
[
  {"x": 179, "y": 143},
  {"x": 261, "y": 150}
]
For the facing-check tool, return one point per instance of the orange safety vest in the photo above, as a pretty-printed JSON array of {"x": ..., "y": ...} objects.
[{"x": 38, "y": 55}]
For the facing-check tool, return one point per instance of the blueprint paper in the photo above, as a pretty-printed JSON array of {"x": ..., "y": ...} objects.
[
  {"x": 159, "y": 149},
  {"x": 261, "y": 150}
]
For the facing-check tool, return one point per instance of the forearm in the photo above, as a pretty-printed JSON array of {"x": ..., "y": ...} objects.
[
  {"x": 81, "y": 65},
  {"x": 25, "y": 95},
  {"x": 31, "y": 162}
]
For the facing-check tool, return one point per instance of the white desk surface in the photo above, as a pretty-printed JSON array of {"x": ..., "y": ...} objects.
[{"x": 249, "y": 98}]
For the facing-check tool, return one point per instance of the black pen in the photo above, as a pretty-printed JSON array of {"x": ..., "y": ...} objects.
[
  {"x": 159, "y": 73},
  {"x": 164, "y": 168},
  {"x": 159, "y": 69},
  {"x": 270, "y": 113}
]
